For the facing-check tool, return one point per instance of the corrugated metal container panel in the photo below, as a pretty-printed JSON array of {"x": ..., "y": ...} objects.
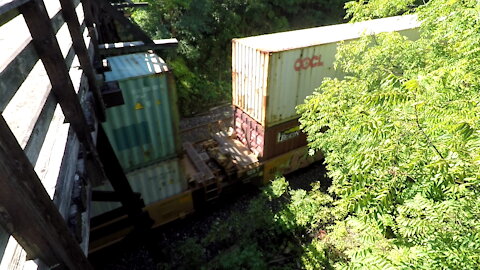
[
  {"x": 268, "y": 142},
  {"x": 135, "y": 65},
  {"x": 156, "y": 182},
  {"x": 288, "y": 87},
  {"x": 272, "y": 74},
  {"x": 144, "y": 130}
]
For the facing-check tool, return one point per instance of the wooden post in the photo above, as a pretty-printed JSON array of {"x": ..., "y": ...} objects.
[
  {"x": 130, "y": 201},
  {"x": 120, "y": 48},
  {"x": 91, "y": 22},
  {"x": 71, "y": 18},
  {"x": 49, "y": 52},
  {"x": 28, "y": 213},
  {"x": 132, "y": 28}
]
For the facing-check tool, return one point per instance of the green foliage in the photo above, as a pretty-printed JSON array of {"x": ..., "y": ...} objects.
[
  {"x": 192, "y": 254},
  {"x": 274, "y": 231},
  {"x": 306, "y": 210},
  {"x": 403, "y": 142},
  {"x": 315, "y": 256},
  {"x": 277, "y": 188},
  {"x": 361, "y": 10},
  {"x": 248, "y": 257},
  {"x": 205, "y": 28}
]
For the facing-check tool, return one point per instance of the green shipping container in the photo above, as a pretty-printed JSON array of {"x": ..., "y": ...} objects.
[{"x": 144, "y": 130}]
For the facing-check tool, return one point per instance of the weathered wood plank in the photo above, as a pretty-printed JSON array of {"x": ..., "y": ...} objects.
[
  {"x": 52, "y": 152},
  {"x": 3, "y": 241},
  {"x": 80, "y": 47},
  {"x": 70, "y": 163},
  {"x": 25, "y": 107},
  {"x": 13, "y": 75},
  {"x": 90, "y": 23},
  {"x": 86, "y": 221},
  {"x": 66, "y": 176},
  {"x": 23, "y": 192},
  {"x": 91, "y": 9},
  {"x": 198, "y": 162},
  {"x": 8, "y": 16},
  {"x": 30, "y": 111},
  {"x": 40, "y": 129},
  {"x": 49, "y": 52},
  {"x": 129, "y": 26},
  {"x": 8, "y": 5},
  {"x": 88, "y": 13},
  {"x": 111, "y": 49},
  {"x": 57, "y": 21},
  {"x": 15, "y": 69}
]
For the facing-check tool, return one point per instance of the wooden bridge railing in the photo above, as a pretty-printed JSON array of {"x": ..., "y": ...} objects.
[{"x": 51, "y": 107}]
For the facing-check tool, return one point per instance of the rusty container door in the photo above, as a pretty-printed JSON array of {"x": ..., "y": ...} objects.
[
  {"x": 270, "y": 142},
  {"x": 249, "y": 79},
  {"x": 249, "y": 132}
]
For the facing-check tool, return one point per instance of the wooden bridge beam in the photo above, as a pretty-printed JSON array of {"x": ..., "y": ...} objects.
[
  {"x": 71, "y": 18},
  {"x": 119, "y": 48},
  {"x": 49, "y": 52},
  {"x": 29, "y": 214},
  {"x": 129, "y": 26}
]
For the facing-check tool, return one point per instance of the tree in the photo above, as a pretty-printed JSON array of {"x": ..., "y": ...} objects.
[
  {"x": 205, "y": 28},
  {"x": 403, "y": 141}
]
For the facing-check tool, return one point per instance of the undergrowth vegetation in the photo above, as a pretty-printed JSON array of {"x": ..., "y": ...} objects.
[{"x": 281, "y": 228}]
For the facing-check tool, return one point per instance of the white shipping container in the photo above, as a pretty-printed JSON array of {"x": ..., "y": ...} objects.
[{"x": 274, "y": 73}]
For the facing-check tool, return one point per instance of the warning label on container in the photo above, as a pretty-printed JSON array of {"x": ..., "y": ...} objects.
[
  {"x": 139, "y": 106},
  {"x": 288, "y": 134}
]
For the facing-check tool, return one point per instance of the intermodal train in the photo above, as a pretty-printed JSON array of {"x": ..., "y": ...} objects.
[{"x": 173, "y": 164}]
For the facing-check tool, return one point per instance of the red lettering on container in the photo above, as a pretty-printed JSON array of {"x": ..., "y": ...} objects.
[{"x": 308, "y": 62}]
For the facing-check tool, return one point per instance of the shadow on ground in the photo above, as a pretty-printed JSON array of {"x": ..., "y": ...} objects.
[{"x": 249, "y": 229}]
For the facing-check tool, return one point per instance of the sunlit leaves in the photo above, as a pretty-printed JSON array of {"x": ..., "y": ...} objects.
[
  {"x": 403, "y": 139},
  {"x": 360, "y": 10}
]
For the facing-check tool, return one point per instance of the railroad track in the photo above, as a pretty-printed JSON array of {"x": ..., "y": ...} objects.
[{"x": 202, "y": 126}]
